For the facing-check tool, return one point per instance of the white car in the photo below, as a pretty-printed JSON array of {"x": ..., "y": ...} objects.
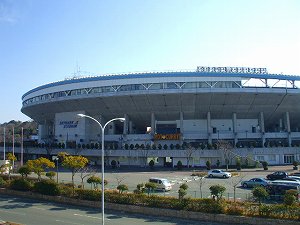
[{"x": 218, "y": 173}]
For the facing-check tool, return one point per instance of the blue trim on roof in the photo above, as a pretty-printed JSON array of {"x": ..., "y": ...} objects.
[{"x": 165, "y": 74}]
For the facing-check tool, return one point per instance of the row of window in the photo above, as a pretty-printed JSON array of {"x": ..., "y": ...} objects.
[{"x": 135, "y": 87}]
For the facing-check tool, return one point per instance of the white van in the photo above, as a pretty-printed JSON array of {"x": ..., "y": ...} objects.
[{"x": 162, "y": 184}]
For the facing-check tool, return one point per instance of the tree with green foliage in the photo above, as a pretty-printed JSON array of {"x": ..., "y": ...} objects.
[
  {"x": 151, "y": 164},
  {"x": 259, "y": 193},
  {"x": 122, "y": 187},
  {"x": 217, "y": 191},
  {"x": 208, "y": 165},
  {"x": 184, "y": 186},
  {"x": 179, "y": 165},
  {"x": 24, "y": 171},
  {"x": 39, "y": 165},
  {"x": 12, "y": 158},
  {"x": 74, "y": 163},
  {"x": 94, "y": 180},
  {"x": 181, "y": 193},
  {"x": 150, "y": 187},
  {"x": 50, "y": 175}
]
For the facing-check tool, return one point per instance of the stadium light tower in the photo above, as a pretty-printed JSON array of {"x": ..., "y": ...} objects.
[{"x": 102, "y": 153}]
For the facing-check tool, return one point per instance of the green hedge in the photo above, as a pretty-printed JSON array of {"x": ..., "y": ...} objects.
[
  {"x": 47, "y": 187},
  {"x": 155, "y": 201},
  {"x": 21, "y": 185}
]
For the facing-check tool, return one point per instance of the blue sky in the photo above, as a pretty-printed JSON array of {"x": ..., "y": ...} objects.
[{"x": 44, "y": 41}]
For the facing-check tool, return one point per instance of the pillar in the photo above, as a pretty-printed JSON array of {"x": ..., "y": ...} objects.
[
  {"x": 125, "y": 126},
  {"x": 209, "y": 131},
  {"x": 153, "y": 128},
  {"x": 234, "y": 128},
  {"x": 181, "y": 127},
  {"x": 288, "y": 127},
  {"x": 261, "y": 122}
]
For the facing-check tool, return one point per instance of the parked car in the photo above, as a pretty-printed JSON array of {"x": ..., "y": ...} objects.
[
  {"x": 255, "y": 182},
  {"x": 289, "y": 182},
  {"x": 297, "y": 174},
  {"x": 292, "y": 178},
  {"x": 218, "y": 173},
  {"x": 277, "y": 175},
  {"x": 277, "y": 190},
  {"x": 162, "y": 184}
]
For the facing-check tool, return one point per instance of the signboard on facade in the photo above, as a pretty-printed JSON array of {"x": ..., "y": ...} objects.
[
  {"x": 205, "y": 69},
  {"x": 166, "y": 136},
  {"x": 68, "y": 123}
]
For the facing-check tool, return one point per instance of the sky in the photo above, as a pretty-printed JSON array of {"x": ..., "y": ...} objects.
[{"x": 50, "y": 40}]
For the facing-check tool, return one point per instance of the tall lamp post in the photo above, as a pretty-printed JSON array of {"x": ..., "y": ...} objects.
[{"x": 102, "y": 154}]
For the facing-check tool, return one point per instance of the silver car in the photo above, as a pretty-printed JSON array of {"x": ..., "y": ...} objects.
[
  {"x": 218, "y": 173},
  {"x": 255, "y": 182}
]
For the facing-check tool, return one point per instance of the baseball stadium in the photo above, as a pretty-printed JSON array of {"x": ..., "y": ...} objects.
[{"x": 170, "y": 117}]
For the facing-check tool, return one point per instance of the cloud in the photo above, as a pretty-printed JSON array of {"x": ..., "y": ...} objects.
[{"x": 8, "y": 12}]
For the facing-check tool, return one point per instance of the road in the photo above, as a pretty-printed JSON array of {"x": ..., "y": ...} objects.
[{"x": 32, "y": 212}]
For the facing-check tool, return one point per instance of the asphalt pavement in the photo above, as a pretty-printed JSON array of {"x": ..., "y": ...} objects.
[{"x": 33, "y": 212}]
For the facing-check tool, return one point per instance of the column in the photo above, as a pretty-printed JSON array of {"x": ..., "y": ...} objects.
[
  {"x": 262, "y": 127},
  {"x": 153, "y": 128},
  {"x": 209, "y": 131},
  {"x": 234, "y": 128},
  {"x": 181, "y": 127},
  {"x": 125, "y": 125},
  {"x": 288, "y": 127},
  {"x": 130, "y": 127}
]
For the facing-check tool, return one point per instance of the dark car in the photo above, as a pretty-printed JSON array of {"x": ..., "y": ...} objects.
[
  {"x": 277, "y": 175},
  {"x": 277, "y": 190}
]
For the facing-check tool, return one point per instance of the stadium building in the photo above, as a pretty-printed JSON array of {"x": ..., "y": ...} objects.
[{"x": 171, "y": 116}]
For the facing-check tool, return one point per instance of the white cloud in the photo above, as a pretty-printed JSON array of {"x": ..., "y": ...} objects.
[{"x": 7, "y": 11}]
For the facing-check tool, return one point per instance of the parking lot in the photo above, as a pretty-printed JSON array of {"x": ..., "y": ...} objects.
[{"x": 134, "y": 176}]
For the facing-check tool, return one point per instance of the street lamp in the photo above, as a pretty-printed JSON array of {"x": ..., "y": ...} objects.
[{"x": 102, "y": 153}]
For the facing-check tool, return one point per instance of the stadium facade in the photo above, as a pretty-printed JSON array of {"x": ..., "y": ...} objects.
[{"x": 172, "y": 116}]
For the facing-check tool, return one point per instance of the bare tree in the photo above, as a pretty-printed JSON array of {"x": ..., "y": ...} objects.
[
  {"x": 189, "y": 151},
  {"x": 119, "y": 179},
  {"x": 145, "y": 153},
  {"x": 226, "y": 149},
  {"x": 85, "y": 172},
  {"x": 235, "y": 182},
  {"x": 201, "y": 181}
]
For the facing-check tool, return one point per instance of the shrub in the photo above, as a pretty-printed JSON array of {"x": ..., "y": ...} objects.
[
  {"x": 181, "y": 193},
  {"x": 122, "y": 187},
  {"x": 217, "y": 191},
  {"x": 235, "y": 209},
  {"x": 199, "y": 174},
  {"x": 151, "y": 164},
  {"x": 47, "y": 187},
  {"x": 179, "y": 165},
  {"x": 2, "y": 182},
  {"x": 259, "y": 193},
  {"x": 21, "y": 185},
  {"x": 50, "y": 174},
  {"x": 24, "y": 171},
  {"x": 150, "y": 187},
  {"x": 113, "y": 164},
  {"x": 265, "y": 165},
  {"x": 66, "y": 190},
  {"x": 165, "y": 146},
  {"x": 92, "y": 195},
  {"x": 208, "y": 165},
  {"x": 184, "y": 186}
]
